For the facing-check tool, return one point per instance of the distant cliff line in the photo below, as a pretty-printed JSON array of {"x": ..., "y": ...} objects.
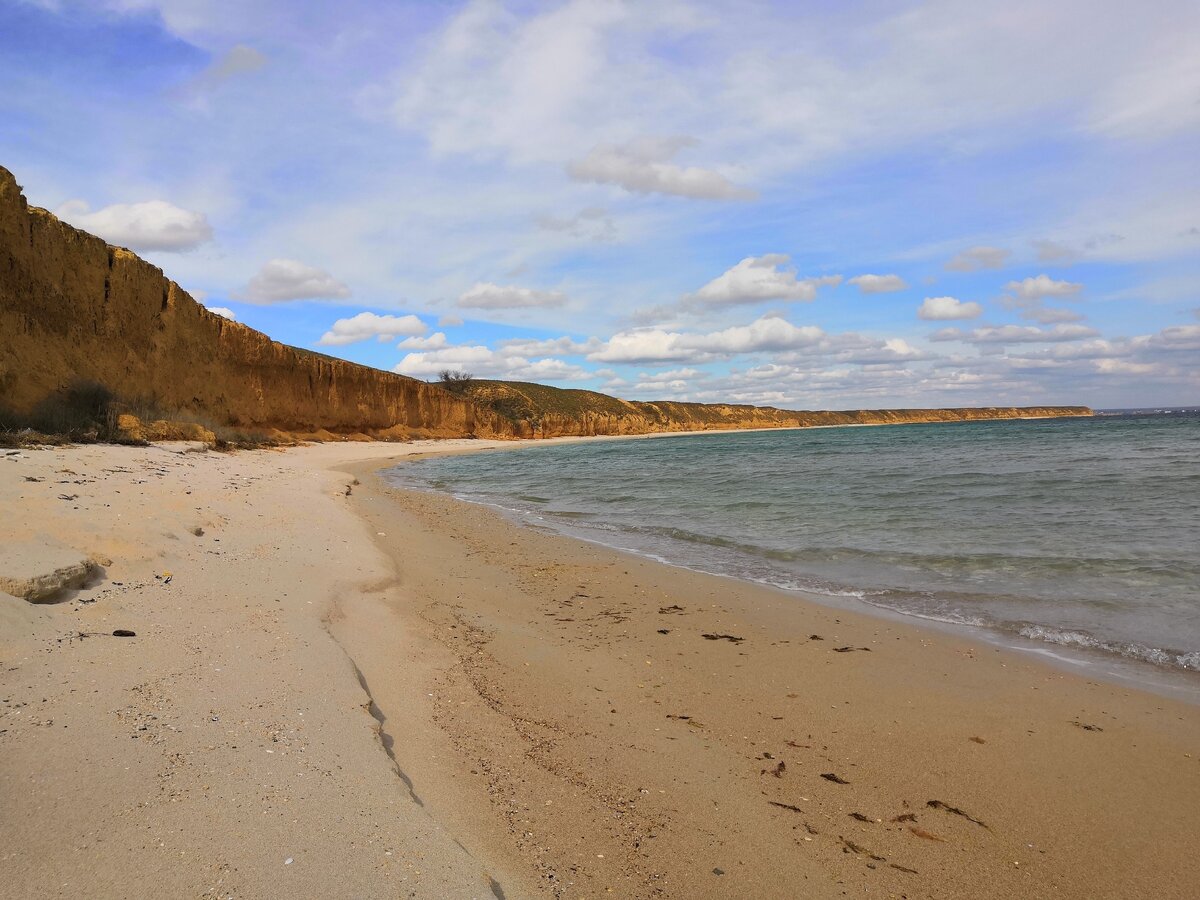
[
  {"x": 540, "y": 411},
  {"x": 76, "y": 311}
]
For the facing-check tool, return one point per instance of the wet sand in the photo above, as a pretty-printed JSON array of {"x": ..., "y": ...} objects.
[{"x": 350, "y": 690}]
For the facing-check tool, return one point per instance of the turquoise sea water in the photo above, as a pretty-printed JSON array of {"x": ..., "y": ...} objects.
[{"x": 1082, "y": 533}]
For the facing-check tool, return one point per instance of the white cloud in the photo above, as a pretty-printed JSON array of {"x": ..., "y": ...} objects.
[
  {"x": 367, "y": 325},
  {"x": 280, "y": 280},
  {"x": 645, "y": 167},
  {"x": 223, "y": 311},
  {"x": 657, "y": 345},
  {"x": 562, "y": 346},
  {"x": 1049, "y": 315},
  {"x": 485, "y": 362},
  {"x": 1015, "y": 334},
  {"x": 1043, "y": 286},
  {"x": 878, "y": 284},
  {"x": 943, "y": 308},
  {"x": 450, "y": 320},
  {"x": 1157, "y": 94},
  {"x": 435, "y": 341},
  {"x": 977, "y": 258},
  {"x": 755, "y": 279},
  {"x": 150, "y": 225},
  {"x": 485, "y": 295}
]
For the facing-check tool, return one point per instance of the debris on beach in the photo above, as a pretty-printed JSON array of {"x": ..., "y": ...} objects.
[
  {"x": 850, "y": 847},
  {"x": 850, "y": 649},
  {"x": 1085, "y": 726},
  {"x": 922, "y": 833},
  {"x": 830, "y": 776},
  {"x": 124, "y": 632},
  {"x": 786, "y": 806},
  {"x": 733, "y": 639},
  {"x": 954, "y": 810}
]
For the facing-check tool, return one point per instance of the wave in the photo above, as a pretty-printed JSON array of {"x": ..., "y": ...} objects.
[{"x": 1183, "y": 659}]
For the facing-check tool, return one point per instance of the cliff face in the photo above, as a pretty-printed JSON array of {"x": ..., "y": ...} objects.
[
  {"x": 540, "y": 411},
  {"x": 74, "y": 308}
]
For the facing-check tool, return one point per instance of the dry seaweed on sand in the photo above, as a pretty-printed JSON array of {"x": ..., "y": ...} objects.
[
  {"x": 836, "y": 779},
  {"x": 938, "y": 804},
  {"x": 732, "y": 638}
]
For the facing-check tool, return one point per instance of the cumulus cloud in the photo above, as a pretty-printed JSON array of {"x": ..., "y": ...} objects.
[
  {"x": 755, "y": 279},
  {"x": 939, "y": 309},
  {"x": 486, "y": 295},
  {"x": 645, "y": 166},
  {"x": 150, "y": 225},
  {"x": 223, "y": 311},
  {"x": 435, "y": 341},
  {"x": 977, "y": 258},
  {"x": 280, "y": 280},
  {"x": 450, "y": 320},
  {"x": 878, "y": 284},
  {"x": 658, "y": 345},
  {"x": 1043, "y": 286},
  {"x": 562, "y": 346},
  {"x": 484, "y": 361},
  {"x": 367, "y": 325}
]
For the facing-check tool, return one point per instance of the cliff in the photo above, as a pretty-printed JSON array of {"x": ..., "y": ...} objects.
[
  {"x": 537, "y": 410},
  {"x": 75, "y": 310}
]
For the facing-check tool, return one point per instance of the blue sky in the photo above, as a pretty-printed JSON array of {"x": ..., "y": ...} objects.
[{"x": 811, "y": 205}]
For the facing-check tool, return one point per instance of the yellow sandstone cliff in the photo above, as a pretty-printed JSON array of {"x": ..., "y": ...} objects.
[{"x": 74, "y": 309}]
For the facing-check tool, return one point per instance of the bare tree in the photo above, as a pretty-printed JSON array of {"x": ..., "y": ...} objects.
[{"x": 455, "y": 380}]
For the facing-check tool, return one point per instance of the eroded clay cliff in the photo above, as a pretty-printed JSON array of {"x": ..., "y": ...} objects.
[{"x": 74, "y": 308}]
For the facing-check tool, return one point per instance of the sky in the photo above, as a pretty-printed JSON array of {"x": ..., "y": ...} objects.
[{"x": 813, "y": 205}]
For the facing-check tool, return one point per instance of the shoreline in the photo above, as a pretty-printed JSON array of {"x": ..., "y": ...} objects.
[
  {"x": 1171, "y": 681},
  {"x": 348, "y": 687}
]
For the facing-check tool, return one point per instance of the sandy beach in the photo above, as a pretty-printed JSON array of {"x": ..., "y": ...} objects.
[{"x": 337, "y": 688}]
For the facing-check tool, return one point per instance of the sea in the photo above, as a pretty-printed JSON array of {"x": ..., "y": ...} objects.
[{"x": 1076, "y": 537}]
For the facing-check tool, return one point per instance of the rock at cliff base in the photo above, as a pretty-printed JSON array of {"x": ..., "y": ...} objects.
[
  {"x": 133, "y": 430},
  {"x": 38, "y": 570}
]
